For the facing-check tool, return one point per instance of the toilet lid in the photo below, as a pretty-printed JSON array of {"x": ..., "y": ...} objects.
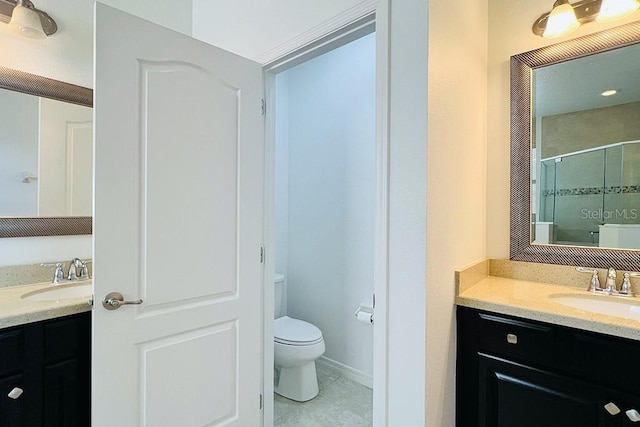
[{"x": 295, "y": 332}]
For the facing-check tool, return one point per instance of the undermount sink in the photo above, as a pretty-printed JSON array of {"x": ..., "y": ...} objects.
[
  {"x": 627, "y": 308},
  {"x": 60, "y": 292}
]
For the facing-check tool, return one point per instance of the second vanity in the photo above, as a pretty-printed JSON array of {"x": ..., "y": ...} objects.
[
  {"x": 527, "y": 359},
  {"x": 45, "y": 355}
]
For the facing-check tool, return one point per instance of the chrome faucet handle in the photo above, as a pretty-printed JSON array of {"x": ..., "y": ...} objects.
[
  {"x": 594, "y": 285},
  {"x": 58, "y": 274},
  {"x": 625, "y": 289},
  {"x": 82, "y": 270}
]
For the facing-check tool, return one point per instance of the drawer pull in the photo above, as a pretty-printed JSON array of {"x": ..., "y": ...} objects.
[
  {"x": 512, "y": 339},
  {"x": 633, "y": 415},
  {"x": 612, "y": 408},
  {"x": 15, "y": 393}
]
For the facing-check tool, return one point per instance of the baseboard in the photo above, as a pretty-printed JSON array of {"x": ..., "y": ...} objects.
[{"x": 347, "y": 371}]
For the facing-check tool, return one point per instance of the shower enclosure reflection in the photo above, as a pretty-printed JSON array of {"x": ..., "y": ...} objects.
[{"x": 591, "y": 197}]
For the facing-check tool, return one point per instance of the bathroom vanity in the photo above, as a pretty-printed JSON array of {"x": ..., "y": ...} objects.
[
  {"x": 518, "y": 372},
  {"x": 525, "y": 358},
  {"x": 50, "y": 362},
  {"x": 45, "y": 355}
]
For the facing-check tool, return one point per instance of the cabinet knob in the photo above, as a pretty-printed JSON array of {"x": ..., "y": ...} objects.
[
  {"x": 512, "y": 339},
  {"x": 612, "y": 408},
  {"x": 633, "y": 415},
  {"x": 17, "y": 392}
]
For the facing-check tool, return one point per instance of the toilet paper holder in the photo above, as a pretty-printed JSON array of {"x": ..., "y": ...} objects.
[{"x": 364, "y": 314}]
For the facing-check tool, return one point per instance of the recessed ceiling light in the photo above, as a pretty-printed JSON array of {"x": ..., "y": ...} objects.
[{"x": 609, "y": 92}]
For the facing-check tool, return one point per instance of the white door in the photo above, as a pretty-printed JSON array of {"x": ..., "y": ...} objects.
[
  {"x": 178, "y": 224},
  {"x": 79, "y": 167}
]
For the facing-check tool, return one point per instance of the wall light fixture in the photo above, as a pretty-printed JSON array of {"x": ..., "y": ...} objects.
[
  {"x": 24, "y": 19},
  {"x": 566, "y": 17}
]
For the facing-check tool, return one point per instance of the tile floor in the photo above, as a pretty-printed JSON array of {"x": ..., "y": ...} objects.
[{"x": 341, "y": 402}]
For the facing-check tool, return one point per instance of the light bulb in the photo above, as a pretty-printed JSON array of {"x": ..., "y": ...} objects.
[
  {"x": 614, "y": 9},
  {"x": 562, "y": 20}
]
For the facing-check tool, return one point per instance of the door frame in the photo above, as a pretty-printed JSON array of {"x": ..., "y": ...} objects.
[{"x": 333, "y": 39}]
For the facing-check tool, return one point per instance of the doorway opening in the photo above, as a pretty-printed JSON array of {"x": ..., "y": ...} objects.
[{"x": 322, "y": 217}]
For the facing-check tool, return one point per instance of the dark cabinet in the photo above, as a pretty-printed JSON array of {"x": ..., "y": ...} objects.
[
  {"x": 48, "y": 364},
  {"x": 515, "y": 372}
]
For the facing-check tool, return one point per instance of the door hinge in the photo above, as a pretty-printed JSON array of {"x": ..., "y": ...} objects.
[
  {"x": 264, "y": 108},
  {"x": 261, "y": 254},
  {"x": 261, "y": 402}
]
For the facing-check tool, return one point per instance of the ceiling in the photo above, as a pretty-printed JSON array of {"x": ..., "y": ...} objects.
[{"x": 577, "y": 84}]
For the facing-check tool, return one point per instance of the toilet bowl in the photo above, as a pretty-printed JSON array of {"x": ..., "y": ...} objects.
[{"x": 297, "y": 345}]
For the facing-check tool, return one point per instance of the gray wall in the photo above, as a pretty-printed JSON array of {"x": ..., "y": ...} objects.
[{"x": 566, "y": 133}]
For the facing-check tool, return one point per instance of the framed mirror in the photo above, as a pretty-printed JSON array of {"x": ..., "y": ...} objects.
[
  {"x": 575, "y": 176},
  {"x": 45, "y": 156}
]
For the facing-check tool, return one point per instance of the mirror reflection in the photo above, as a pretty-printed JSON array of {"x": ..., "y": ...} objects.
[
  {"x": 46, "y": 152},
  {"x": 586, "y": 151}
]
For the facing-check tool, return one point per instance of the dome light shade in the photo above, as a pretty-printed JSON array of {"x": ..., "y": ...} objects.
[
  {"x": 614, "y": 9},
  {"x": 562, "y": 20},
  {"x": 26, "y": 22},
  {"x": 566, "y": 17}
]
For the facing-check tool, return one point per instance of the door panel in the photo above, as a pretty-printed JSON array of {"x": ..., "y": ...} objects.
[
  {"x": 178, "y": 368},
  {"x": 178, "y": 223},
  {"x": 79, "y": 168},
  {"x": 207, "y": 180}
]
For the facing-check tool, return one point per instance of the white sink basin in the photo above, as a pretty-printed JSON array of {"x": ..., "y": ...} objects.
[
  {"x": 608, "y": 305},
  {"x": 60, "y": 292}
]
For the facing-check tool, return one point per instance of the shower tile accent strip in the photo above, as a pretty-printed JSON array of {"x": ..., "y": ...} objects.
[{"x": 626, "y": 189}]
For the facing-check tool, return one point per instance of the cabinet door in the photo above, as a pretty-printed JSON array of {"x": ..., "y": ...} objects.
[
  {"x": 12, "y": 411},
  {"x": 512, "y": 394},
  {"x": 62, "y": 397},
  {"x": 66, "y": 372}
]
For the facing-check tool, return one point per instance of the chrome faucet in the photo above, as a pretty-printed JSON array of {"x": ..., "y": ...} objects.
[
  {"x": 610, "y": 286},
  {"x": 78, "y": 270}
]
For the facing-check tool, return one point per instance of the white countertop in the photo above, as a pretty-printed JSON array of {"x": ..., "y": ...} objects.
[
  {"x": 533, "y": 300},
  {"x": 17, "y": 311}
]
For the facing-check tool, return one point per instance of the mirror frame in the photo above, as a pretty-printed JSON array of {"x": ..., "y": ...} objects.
[
  {"x": 522, "y": 67},
  {"x": 19, "y": 81}
]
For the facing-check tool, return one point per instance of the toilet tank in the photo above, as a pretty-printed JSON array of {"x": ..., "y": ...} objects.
[{"x": 280, "y": 295}]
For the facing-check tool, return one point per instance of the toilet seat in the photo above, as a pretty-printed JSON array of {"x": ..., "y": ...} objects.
[{"x": 295, "y": 332}]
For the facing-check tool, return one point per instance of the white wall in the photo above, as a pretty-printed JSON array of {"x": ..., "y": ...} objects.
[
  {"x": 18, "y": 153},
  {"x": 263, "y": 30},
  {"x": 331, "y": 189},
  {"x": 456, "y": 181},
  {"x": 68, "y": 56},
  {"x": 509, "y": 34}
]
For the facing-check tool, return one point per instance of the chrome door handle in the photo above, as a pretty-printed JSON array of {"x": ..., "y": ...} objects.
[{"x": 114, "y": 300}]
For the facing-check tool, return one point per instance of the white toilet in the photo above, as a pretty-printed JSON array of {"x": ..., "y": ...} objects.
[{"x": 297, "y": 345}]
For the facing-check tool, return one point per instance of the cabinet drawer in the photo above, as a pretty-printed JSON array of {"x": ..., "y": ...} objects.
[
  {"x": 63, "y": 338},
  {"x": 11, "y": 350},
  {"x": 515, "y": 338}
]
